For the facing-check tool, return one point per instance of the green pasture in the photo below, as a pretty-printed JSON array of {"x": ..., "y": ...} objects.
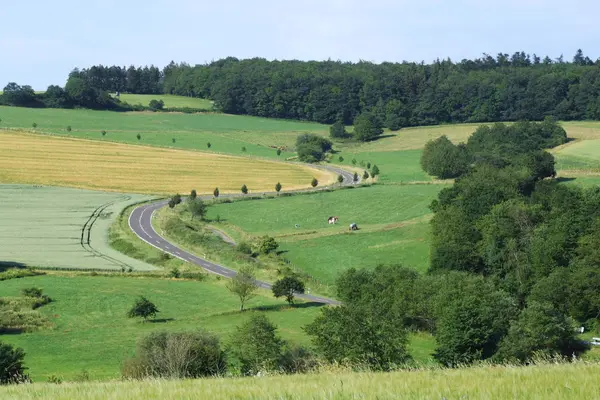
[
  {"x": 91, "y": 331},
  {"x": 42, "y": 226},
  {"x": 171, "y": 101},
  {"x": 226, "y": 133},
  {"x": 378, "y": 204},
  {"x": 580, "y": 155},
  {"x": 324, "y": 258}
]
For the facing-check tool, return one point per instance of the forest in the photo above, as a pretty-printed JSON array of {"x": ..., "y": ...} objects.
[{"x": 486, "y": 89}]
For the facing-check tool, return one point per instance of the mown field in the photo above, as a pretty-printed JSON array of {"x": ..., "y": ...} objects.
[
  {"x": 91, "y": 331},
  {"x": 539, "y": 382},
  {"x": 58, "y": 227},
  {"x": 171, "y": 101},
  {"x": 48, "y": 160}
]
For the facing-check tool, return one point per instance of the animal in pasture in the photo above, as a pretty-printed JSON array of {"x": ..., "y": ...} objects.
[
  {"x": 332, "y": 220},
  {"x": 353, "y": 227}
]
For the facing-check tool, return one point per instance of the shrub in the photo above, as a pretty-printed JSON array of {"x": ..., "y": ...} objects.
[
  {"x": 216, "y": 192},
  {"x": 193, "y": 194},
  {"x": 208, "y": 145},
  {"x": 32, "y": 292},
  {"x": 197, "y": 208},
  {"x": 278, "y": 187},
  {"x": 314, "y": 182},
  {"x": 138, "y": 136},
  {"x": 365, "y": 175},
  {"x": 174, "y": 273},
  {"x": 354, "y": 161},
  {"x": 368, "y": 165},
  {"x": 341, "y": 159},
  {"x": 173, "y": 140},
  {"x": 34, "y": 125},
  {"x": 340, "y": 178},
  {"x": 297, "y": 360},
  {"x": 244, "y": 149},
  {"x": 69, "y": 128},
  {"x": 278, "y": 152},
  {"x": 374, "y": 171},
  {"x": 312, "y": 148},
  {"x": 338, "y": 130},
  {"x": 268, "y": 245},
  {"x": 176, "y": 355},
  {"x": 367, "y": 126},
  {"x": 12, "y": 369},
  {"x": 55, "y": 379},
  {"x": 244, "y": 189},
  {"x": 103, "y": 133},
  {"x": 256, "y": 345},
  {"x": 244, "y": 247},
  {"x": 155, "y": 105},
  {"x": 355, "y": 177}
]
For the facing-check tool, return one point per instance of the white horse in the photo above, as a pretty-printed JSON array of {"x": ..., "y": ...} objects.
[{"x": 332, "y": 220}]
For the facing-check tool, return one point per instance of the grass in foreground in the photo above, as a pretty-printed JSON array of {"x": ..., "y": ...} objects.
[
  {"x": 47, "y": 160},
  {"x": 43, "y": 226},
  {"x": 553, "y": 381}
]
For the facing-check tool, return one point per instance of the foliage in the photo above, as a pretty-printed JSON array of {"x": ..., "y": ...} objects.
[
  {"x": 243, "y": 285},
  {"x": 338, "y": 131},
  {"x": 365, "y": 175},
  {"x": 443, "y": 159},
  {"x": 216, "y": 192},
  {"x": 256, "y": 345},
  {"x": 155, "y": 105},
  {"x": 288, "y": 287},
  {"x": 314, "y": 182},
  {"x": 12, "y": 369},
  {"x": 176, "y": 355},
  {"x": 267, "y": 245},
  {"x": 278, "y": 187},
  {"x": 193, "y": 194},
  {"x": 143, "y": 308},
  {"x": 32, "y": 292},
  {"x": 197, "y": 208},
  {"x": 340, "y": 178},
  {"x": 244, "y": 189},
  {"x": 374, "y": 171},
  {"x": 355, "y": 177},
  {"x": 312, "y": 148},
  {"x": 367, "y": 126}
]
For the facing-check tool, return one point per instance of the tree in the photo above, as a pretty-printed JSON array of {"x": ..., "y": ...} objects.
[
  {"x": 256, "y": 345},
  {"x": 176, "y": 199},
  {"x": 268, "y": 245},
  {"x": 143, "y": 308},
  {"x": 197, "y": 208},
  {"x": 278, "y": 152},
  {"x": 355, "y": 177},
  {"x": 278, "y": 187},
  {"x": 340, "y": 178},
  {"x": 177, "y": 355},
  {"x": 216, "y": 192},
  {"x": 443, "y": 159},
  {"x": 365, "y": 175},
  {"x": 244, "y": 189},
  {"x": 193, "y": 194},
  {"x": 348, "y": 333},
  {"x": 374, "y": 171},
  {"x": 243, "y": 149},
  {"x": 12, "y": 369},
  {"x": 314, "y": 182},
  {"x": 288, "y": 287},
  {"x": 138, "y": 136},
  {"x": 15, "y": 95},
  {"x": 243, "y": 285},
  {"x": 338, "y": 130},
  {"x": 540, "y": 328},
  {"x": 367, "y": 126},
  {"x": 208, "y": 145},
  {"x": 341, "y": 159},
  {"x": 312, "y": 148}
]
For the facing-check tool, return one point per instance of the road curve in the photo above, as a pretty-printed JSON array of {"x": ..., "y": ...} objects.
[{"x": 140, "y": 222}]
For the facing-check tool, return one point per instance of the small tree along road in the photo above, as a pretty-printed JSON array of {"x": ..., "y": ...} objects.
[
  {"x": 287, "y": 287},
  {"x": 243, "y": 284}
]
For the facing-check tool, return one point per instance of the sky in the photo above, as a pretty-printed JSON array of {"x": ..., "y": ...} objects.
[{"x": 42, "y": 41}]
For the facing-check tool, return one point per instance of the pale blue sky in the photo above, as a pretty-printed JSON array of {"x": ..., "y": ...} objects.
[{"x": 41, "y": 41}]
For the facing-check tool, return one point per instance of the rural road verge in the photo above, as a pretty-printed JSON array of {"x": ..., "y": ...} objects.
[{"x": 140, "y": 222}]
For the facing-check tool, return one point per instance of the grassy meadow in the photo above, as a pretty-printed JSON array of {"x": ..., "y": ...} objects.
[
  {"x": 59, "y": 161},
  {"x": 538, "y": 382},
  {"x": 49, "y": 227},
  {"x": 171, "y": 101}
]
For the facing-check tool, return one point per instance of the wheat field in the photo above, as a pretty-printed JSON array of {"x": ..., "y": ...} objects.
[{"x": 60, "y": 161}]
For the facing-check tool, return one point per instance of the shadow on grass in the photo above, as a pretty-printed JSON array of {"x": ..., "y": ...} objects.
[
  {"x": 563, "y": 179},
  {"x": 4, "y": 265},
  {"x": 11, "y": 331},
  {"x": 161, "y": 320},
  {"x": 273, "y": 307}
]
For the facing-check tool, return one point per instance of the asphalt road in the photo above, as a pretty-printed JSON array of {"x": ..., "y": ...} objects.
[{"x": 140, "y": 222}]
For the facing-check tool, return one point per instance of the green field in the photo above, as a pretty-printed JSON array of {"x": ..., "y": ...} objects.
[
  {"x": 579, "y": 155},
  {"x": 227, "y": 133},
  {"x": 49, "y": 227},
  {"x": 538, "y": 382},
  {"x": 171, "y": 101},
  {"x": 91, "y": 331}
]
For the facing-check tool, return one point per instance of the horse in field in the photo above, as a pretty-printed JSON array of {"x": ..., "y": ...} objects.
[{"x": 332, "y": 220}]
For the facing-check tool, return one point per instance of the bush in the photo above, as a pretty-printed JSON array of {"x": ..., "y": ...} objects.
[
  {"x": 374, "y": 171},
  {"x": 175, "y": 273},
  {"x": 208, "y": 145},
  {"x": 193, "y": 194},
  {"x": 244, "y": 247},
  {"x": 155, "y": 105},
  {"x": 138, "y": 136},
  {"x": 297, "y": 360},
  {"x": 34, "y": 125},
  {"x": 12, "y": 369},
  {"x": 341, "y": 159},
  {"x": 278, "y": 152},
  {"x": 243, "y": 149},
  {"x": 367, "y": 126},
  {"x": 443, "y": 159},
  {"x": 173, "y": 140},
  {"x": 143, "y": 308},
  {"x": 312, "y": 148},
  {"x": 69, "y": 128},
  {"x": 176, "y": 355},
  {"x": 365, "y": 175},
  {"x": 257, "y": 346},
  {"x": 103, "y": 133},
  {"x": 268, "y": 245},
  {"x": 278, "y": 187},
  {"x": 338, "y": 130},
  {"x": 244, "y": 189},
  {"x": 340, "y": 178},
  {"x": 216, "y": 192},
  {"x": 32, "y": 292},
  {"x": 314, "y": 182}
]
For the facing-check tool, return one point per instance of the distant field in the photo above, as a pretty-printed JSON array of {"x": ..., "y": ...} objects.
[
  {"x": 579, "y": 155},
  {"x": 48, "y": 227},
  {"x": 47, "y": 160},
  {"x": 227, "y": 133},
  {"x": 537, "y": 382},
  {"x": 170, "y": 100}
]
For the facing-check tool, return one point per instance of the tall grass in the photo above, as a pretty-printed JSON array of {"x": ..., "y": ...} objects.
[{"x": 546, "y": 381}]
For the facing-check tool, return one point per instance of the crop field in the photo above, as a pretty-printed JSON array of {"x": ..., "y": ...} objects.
[
  {"x": 91, "y": 331},
  {"x": 171, "y": 101},
  {"x": 227, "y": 134},
  {"x": 57, "y": 227},
  {"x": 579, "y": 155},
  {"x": 537, "y": 382},
  {"x": 47, "y": 160}
]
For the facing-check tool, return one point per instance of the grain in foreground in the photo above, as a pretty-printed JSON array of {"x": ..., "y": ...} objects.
[{"x": 48, "y": 160}]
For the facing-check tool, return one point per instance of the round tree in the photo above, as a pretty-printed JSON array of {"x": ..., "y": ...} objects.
[
  {"x": 244, "y": 189},
  {"x": 340, "y": 178},
  {"x": 244, "y": 149},
  {"x": 103, "y": 133},
  {"x": 208, "y": 145},
  {"x": 288, "y": 287},
  {"x": 143, "y": 308},
  {"x": 341, "y": 159},
  {"x": 138, "y": 136},
  {"x": 314, "y": 182},
  {"x": 69, "y": 128}
]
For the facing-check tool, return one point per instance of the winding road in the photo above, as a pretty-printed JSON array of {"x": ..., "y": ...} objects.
[{"x": 140, "y": 222}]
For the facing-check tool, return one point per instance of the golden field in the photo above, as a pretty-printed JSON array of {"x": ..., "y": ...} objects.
[{"x": 60, "y": 161}]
